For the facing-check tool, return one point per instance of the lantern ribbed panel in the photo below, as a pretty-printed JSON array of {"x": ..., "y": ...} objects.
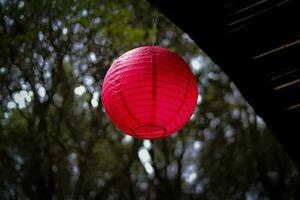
[{"x": 149, "y": 92}]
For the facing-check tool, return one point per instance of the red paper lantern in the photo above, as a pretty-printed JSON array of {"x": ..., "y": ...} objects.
[{"x": 149, "y": 92}]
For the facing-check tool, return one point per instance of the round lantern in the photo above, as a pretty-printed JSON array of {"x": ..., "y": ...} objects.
[{"x": 149, "y": 92}]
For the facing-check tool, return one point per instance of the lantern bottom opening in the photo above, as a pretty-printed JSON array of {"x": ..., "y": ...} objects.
[{"x": 150, "y": 131}]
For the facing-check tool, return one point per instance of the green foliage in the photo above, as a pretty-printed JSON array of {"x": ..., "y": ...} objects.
[{"x": 57, "y": 143}]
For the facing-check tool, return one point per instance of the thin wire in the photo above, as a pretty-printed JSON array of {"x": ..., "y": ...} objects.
[{"x": 154, "y": 26}]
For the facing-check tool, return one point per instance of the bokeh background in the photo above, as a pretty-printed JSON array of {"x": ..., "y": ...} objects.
[{"x": 57, "y": 143}]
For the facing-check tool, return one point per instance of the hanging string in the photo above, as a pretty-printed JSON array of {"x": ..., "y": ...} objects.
[{"x": 154, "y": 26}]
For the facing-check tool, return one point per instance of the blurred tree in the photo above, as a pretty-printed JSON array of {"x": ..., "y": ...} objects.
[{"x": 56, "y": 142}]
